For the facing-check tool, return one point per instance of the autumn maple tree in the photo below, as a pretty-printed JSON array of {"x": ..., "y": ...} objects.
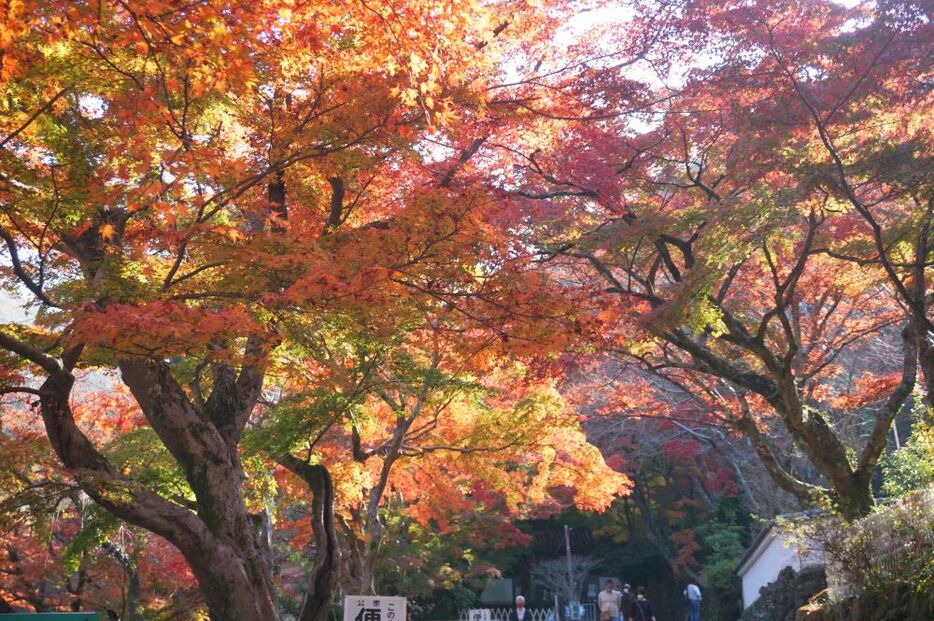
[
  {"x": 188, "y": 190},
  {"x": 758, "y": 230},
  {"x": 355, "y": 240},
  {"x": 435, "y": 411}
]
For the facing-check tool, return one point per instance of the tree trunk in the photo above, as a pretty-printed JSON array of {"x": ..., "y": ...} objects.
[
  {"x": 217, "y": 537},
  {"x": 322, "y": 580},
  {"x": 223, "y": 551},
  {"x": 131, "y": 610},
  {"x": 355, "y": 579},
  {"x": 352, "y": 560},
  {"x": 854, "y": 500},
  {"x": 926, "y": 360},
  {"x": 218, "y": 542},
  {"x": 230, "y": 593},
  {"x": 373, "y": 526}
]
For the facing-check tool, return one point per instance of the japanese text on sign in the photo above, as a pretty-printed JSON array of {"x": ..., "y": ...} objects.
[{"x": 374, "y": 608}]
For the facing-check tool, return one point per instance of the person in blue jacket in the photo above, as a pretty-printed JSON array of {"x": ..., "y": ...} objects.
[{"x": 692, "y": 597}]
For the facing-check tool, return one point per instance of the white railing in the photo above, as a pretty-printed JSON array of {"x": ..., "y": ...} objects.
[
  {"x": 587, "y": 612},
  {"x": 502, "y": 614}
]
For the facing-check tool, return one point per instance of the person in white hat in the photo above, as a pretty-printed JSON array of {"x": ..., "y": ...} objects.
[{"x": 519, "y": 613}]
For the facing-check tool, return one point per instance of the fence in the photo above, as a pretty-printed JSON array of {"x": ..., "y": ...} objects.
[
  {"x": 502, "y": 614},
  {"x": 585, "y": 612},
  {"x": 885, "y": 546}
]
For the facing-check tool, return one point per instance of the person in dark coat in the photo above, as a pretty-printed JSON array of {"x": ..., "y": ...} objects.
[
  {"x": 626, "y": 598},
  {"x": 641, "y": 607},
  {"x": 519, "y": 613}
]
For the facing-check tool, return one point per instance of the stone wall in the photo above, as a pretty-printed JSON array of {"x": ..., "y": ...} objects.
[
  {"x": 892, "y": 605},
  {"x": 779, "y": 600}
]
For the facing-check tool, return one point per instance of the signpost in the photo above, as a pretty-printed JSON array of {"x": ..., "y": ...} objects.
[{"x": 374, "y": 608}]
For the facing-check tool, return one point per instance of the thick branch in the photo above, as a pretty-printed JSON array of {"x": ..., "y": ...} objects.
[
  {"x": 337, "y": 203},
  {"x": 233, "y": 396},
  {"x": 123, "y": 497},
  {"x": 790, "y": 484},
  {"x": 35, "y": 115},
  {"x": 20, "y": 271},
  {"x": 195, "y": 443},
  {"x": 719, "y": 366},
  {"x": 51, "y": 366},
  {"x": 893, "y": 405},
  {"x": 464, "y": 157}
]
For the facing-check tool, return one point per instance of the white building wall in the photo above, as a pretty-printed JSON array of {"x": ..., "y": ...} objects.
[{"x": 773, "y": 556}]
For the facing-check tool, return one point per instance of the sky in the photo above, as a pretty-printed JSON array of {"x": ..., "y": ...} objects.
[{"x": 11, "y": 309}]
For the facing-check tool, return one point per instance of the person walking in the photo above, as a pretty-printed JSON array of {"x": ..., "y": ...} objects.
[
  {"x": 626, "y": 602},
  {"x": 519, "y": 613},
  {"x": 693, "y": 597},
  {"x": 641, "y": 607},
  {"x": 609, "y": 601}
]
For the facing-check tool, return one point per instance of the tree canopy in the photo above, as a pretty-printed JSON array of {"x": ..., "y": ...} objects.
[{"x": 295, "y": 273}]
